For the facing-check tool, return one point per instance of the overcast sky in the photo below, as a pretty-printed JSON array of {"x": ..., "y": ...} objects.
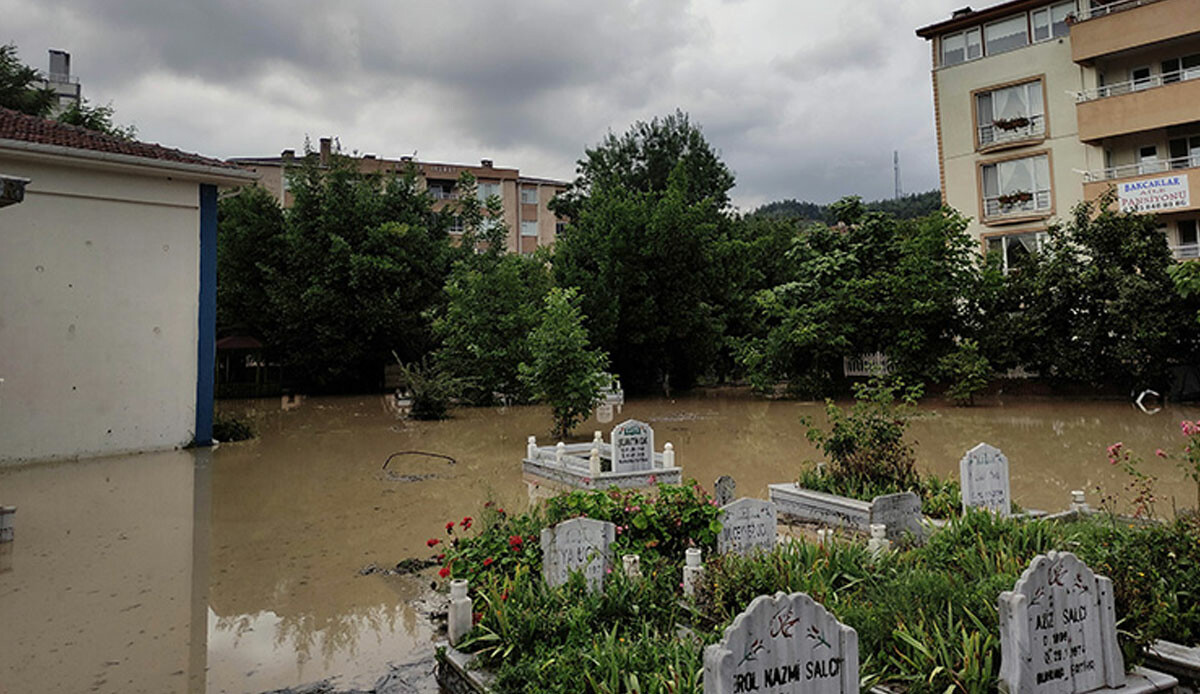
[{"x": 803, "y": 99}]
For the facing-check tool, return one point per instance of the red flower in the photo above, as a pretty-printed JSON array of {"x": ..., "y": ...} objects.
[
  {"x": 489, "y": 504},
  {"x": 441, "y": 557},
  {"x": 487, "y": 562},
  {"x": 475, "y": 617},
  {"x": 450, "y": 526},
  {"x": 444, "y": 572},
  {"x": 504, "y": 595},
  {"x": 466, "y": 523},
  {"x": 500, "y": 511},
  {"x": 515, "y": 542},
  {"x": 432, "y": 542}
]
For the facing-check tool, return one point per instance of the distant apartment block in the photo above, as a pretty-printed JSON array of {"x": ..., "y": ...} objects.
[
  {"x": 524, "y": 199},
  {"x": 1041, "y": 105},
  {"x": 60, "y": 80}
]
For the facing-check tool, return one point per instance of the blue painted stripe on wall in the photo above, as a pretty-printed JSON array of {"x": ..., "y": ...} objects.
[{"x": 207, "y": 352}]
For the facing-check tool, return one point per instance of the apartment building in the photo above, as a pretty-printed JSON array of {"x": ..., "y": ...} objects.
[
  {"x": 524, "y": 199},
  {"x": 1040, "y": 105},
  {"x": 65, "y": 86}
]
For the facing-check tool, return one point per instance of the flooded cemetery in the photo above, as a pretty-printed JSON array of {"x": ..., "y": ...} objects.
[{"x": 280, "y": 561}]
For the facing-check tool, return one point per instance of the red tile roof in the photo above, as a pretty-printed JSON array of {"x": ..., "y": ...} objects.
[{"x": 15, "y": 125}]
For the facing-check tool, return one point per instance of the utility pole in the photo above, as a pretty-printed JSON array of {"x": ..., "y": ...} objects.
[{"x": 896, "y": 171}]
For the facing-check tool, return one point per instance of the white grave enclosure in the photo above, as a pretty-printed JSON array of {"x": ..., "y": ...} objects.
[
  {"x": 783, "y": 643},
  {"x": 747, "y": 524},
  {"x": 1058, "y": 633},
  {"x": 983, "y": 473},
  {"x": 632, "y": 446},
  {"x": 580, "y": 544}
]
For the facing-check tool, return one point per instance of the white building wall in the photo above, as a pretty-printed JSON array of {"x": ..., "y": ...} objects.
[{"x": 99, "y": 283}]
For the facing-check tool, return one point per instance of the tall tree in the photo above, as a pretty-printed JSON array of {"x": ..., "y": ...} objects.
[
  {"x": 98, "y": 118},
  {"x": 250, "y": 247},
  {"x": 564, "y": 371},
  {"x": 21, "y": 87}
]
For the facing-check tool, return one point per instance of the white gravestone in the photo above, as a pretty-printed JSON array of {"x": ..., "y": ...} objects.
[
  {"x": 580, "y": 544},
  {"x": 632, "y": 446},
  {"x": 983, "y": 473},
  {"x": 901, "y": 513},
  {"x": 724, "y": 489},
  {"x": 747, "y": 524},
  {"x": 785, "y": 643},
  {"x": 1058, "y": 631}
]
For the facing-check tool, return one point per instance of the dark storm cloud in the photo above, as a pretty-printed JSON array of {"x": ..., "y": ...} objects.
[{"x": 803, "y": 99}]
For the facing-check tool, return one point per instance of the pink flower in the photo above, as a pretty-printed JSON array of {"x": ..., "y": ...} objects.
[
  {"x": 653, "y": 479},
  {"x": 1188, "y": 427},
  {"x": 1160, "y": 453}
]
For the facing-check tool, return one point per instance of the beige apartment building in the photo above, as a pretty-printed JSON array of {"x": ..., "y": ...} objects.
[
  {"x": 525, "y": 199},
  {"x": 1040, "y": 105}
]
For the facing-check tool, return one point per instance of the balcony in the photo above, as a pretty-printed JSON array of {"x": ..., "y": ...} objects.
[
  {"x": 1120, "y": 26},
  {"x": 1015, "y": 130},
  {"x": 1018, "y": 205},
  {"x": 1157, "y": 101},
  {"x": 1188, "y": 251}
]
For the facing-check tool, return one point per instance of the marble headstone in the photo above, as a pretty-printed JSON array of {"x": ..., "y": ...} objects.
[
  {"x": 1058, "y": 631},
  {"x": 724, "y": 489},
  {"x": 632, "y": 446},
  {"x": 783, "y": 643},
  {"x": 747, "y": 524},
  {"x": 901, "y": 513},
  {"x": 580, "y": 544},
  {"x": 983, "y": 473}
]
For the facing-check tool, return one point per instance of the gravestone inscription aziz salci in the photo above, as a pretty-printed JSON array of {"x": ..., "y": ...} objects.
[
  {"x": 580, "y": 544},
  {"x": 983, "y": 473},
  {"x": 632, "y": 446},
  {"x": 1058, "y": 631},
  {"x": 747, "y": 524},
  {"x": 783, "y": 643}
]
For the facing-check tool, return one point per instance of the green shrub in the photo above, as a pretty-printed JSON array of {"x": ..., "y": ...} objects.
[{"x": 967, "y": 371}]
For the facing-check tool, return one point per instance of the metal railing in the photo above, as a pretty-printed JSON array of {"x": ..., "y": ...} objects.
[
  {"x": 1143, "y": 168},
  {"x": 1092, "y": 10},
  {"x": 1137, "y": 85},
  {"x": 441, "y": 194},
  {"x": 992, "y": 134},
  {"x": 1039, "y": 200},
  {"x": 865, "y": 365},
  {"x": 1186, "y": 251}
]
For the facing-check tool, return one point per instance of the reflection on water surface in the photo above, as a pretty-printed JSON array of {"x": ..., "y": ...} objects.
[{"x": 237, "y": 569}]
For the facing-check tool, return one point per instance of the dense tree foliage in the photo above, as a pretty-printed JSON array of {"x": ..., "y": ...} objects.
[
  {"x": 871, "y": 283},
  {"x": 349, "y": 276},
  {"x": 905, "y": 207},
  {"x": 21, "y": 87},
  {"x": 98, "y": 118}
]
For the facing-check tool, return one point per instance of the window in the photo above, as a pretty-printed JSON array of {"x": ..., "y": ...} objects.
[
  {"x": 456, "y": 225},
  {"x": 1006, "y": 34},
  {"x": 1051, "y": 22},
  {"x": 1189, "y": 243},
  {"x": 1140, "y": 77},
  {"x": 487, "y": 190},
  {"x": 529, "y": 196},
  {"x": 1185, "y": 152},
  {"x": 1010, "y": 113},
  {"x": 559, "y": 228},
  {"x": 1148, "y": 162},
  {"x": 529, "y": 229},
  {"x": 1185, "y": 68},
  {"x": 1016, "y": 187},
  {"x": 1016, "y": 249},
  {"x": 962, "y": 46}
]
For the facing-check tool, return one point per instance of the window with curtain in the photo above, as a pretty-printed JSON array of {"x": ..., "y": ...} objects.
[
  {"x": 1051, "y": 22},
  {"x": 529, "y": 228},
  {"x": 1006, "y": 34},
  {"x": 961, "y": 46},
  {"x": 529, "y": 196},
  {"x": 487, "y": 190},
  {"x": 1016, "y": 186},
  {"x": 1016, "y": 249},
  {"x": 1010, "y": 113}
]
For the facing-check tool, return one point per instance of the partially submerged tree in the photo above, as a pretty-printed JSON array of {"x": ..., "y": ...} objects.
[{"x": 564, "y": 371}]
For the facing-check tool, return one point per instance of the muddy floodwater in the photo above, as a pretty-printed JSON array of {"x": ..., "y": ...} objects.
[{"x": 238, "y": 569}]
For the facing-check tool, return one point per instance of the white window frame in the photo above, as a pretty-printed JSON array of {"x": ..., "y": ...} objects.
[
  {"x": 1042, "y": 195},
  {"x": 487, "y": 185},
  {"x": 1048, "y": 13},
  {"x": 526, "y": 190},
  {"x": 1136, "y": 84},
  {"x": 529, "y": 228},
  {"x": 1184, "y": 250},
  {"x": 966, "y": 35},
  {"x": 987, "y": 134},
  {"x": 1040, "y": 238},
  {"x": 1024, "y": 17}
]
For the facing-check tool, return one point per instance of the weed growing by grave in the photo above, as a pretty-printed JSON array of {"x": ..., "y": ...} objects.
[{"x": 940, "y": 498}]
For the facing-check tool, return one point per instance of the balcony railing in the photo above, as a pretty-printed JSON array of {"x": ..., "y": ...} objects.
[
  {"x": 998, "y": 206},
  {"x": 1092, "y": 10},
  {"x": 1137, "y": 85},
  {"x": 1143, "y": 168},
  {"x": 1186, "y": 251},
  {"x": 992, "y": 134},
  {"x": 441, "y": 194}
]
